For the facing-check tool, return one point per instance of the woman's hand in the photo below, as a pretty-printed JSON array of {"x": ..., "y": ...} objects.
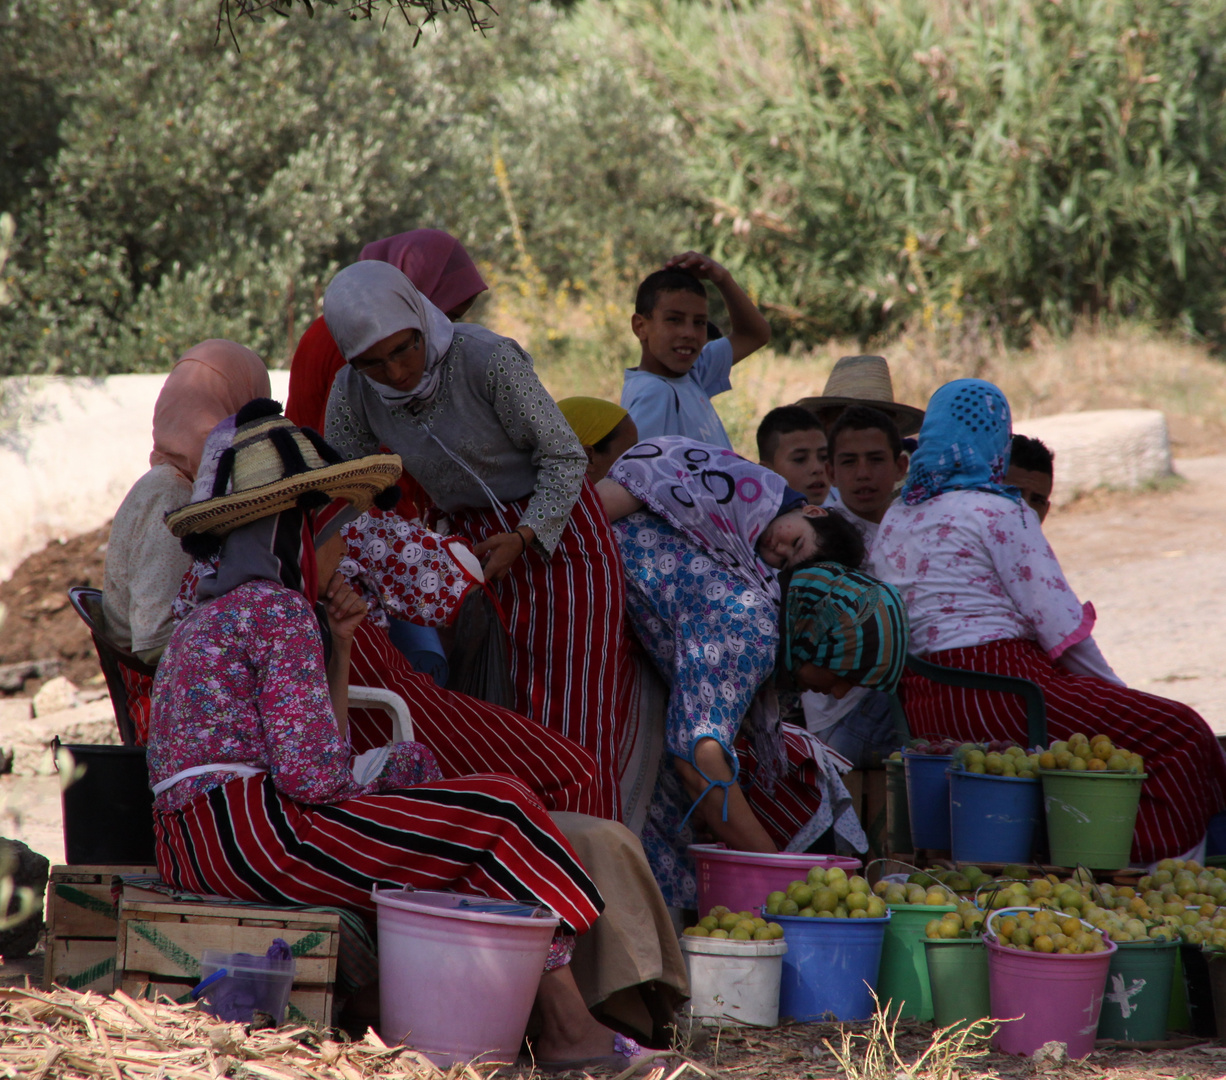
[
  {"x": 499, "y": 551},
  {"x": 346, "y": 609}
]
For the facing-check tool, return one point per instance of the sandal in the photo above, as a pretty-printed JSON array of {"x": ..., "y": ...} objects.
[{"x": 626, "y": 1052}]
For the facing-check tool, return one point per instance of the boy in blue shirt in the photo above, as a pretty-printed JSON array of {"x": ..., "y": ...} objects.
[{"x": 670, "y": 392}]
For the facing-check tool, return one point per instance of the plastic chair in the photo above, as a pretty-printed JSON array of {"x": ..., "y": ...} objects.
[
  {"x": 1031, "y": 693},
  {"x": 87, "y": 603},
  {"x": 389, "y": 701}
]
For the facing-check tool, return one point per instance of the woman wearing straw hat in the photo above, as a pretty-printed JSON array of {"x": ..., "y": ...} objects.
[
  {"x": 256, "y": 795},
  {"x": 474, "y": 426}
]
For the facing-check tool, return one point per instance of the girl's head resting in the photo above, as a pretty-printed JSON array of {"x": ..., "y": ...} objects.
[{"x": 807, "y": 534}]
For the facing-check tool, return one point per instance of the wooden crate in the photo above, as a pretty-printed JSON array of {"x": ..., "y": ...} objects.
[
  {"x": 83, "y": 925},
  {"x": 160, "y": 946},
  {"x": 867, "y": 790}
]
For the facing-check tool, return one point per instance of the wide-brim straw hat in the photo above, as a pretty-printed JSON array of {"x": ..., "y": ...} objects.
[
  {"x": 268, "y": 466},
  {"x": 864, "y": 380}
]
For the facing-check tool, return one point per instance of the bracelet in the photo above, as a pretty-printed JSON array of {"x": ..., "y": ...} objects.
[{"x": 523, "y": 540}]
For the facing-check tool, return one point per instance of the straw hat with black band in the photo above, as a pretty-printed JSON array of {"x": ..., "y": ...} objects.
[
  {"x": 264, "y": 465},
  {"x": 863, "y": 380}
]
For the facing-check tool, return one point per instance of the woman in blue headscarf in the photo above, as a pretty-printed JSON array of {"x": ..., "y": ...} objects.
[{"x": 985, "y": 592}]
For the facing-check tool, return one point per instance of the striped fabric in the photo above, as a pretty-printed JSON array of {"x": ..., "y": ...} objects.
[
  {"x": 848, "y": 623},
  {"x": 1186, "y": 769},
  {"x": 484, "y": 834},
  {"x": 568, "y": 644},
  {"x": 468, "y": 735}
]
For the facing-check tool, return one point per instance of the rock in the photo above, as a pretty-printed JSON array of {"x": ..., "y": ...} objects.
[
  {"x": 1050, "y": 1053},
  {"x": 55, "y": 696},
  {"x": 30, "y": 869},
  {"x": 1117, "y": 448},
  {"x": 13, "y": 676},
  {"x": 15, "y": 710}
]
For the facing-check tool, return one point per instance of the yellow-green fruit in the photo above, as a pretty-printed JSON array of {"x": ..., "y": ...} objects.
[
  {"x": 936, "y": 896},
  {"x": 789, "y": 907},
  {"x": 807, "y": 913},
  {"x": 722, "y": 935},
  {"x": 857, "y": 901},
  {"x": 876, "y": 908},
  {"x": 763, "y": 933},
  {"x": 776, "y": 930},
  {"x": 729, "y": 921},
  {"x": 696, "y": 931},
  {"x": 803, "y": 896},
  {"x": 817, "y": 876},
  {"x": 709, "y": 923},
  {"x": 858, "y": 884},
  {"x": 826, "y": 899},
  {"x": 741, "y": 934}
]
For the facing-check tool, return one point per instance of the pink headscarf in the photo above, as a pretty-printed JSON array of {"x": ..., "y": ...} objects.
[
  {"x": 434, "y": 261},
  {"x": 209, "y": 382}
]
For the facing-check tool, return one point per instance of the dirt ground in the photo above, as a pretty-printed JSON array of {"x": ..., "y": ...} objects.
[{"x": 1153, "y": 564}]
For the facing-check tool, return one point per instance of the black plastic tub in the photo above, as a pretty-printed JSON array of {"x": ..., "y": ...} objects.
[{"x": 108, "y": 812}]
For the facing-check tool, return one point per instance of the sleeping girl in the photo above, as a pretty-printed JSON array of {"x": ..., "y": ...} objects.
[{"x": 703, "y": 534}]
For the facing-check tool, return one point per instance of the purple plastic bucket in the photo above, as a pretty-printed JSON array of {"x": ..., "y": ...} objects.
[
  {"x": 1054, "y": 997},
  {"x": 458, "y": 974},
  {"x": 742, "y": 880}
]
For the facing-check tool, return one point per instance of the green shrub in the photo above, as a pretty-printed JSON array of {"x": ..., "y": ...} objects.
[
  {"x": 866, "y": 162},
  {"x": 186, "y": 191}
]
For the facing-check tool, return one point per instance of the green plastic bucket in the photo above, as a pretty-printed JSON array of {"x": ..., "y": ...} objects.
[
  {"x": 904, "y": 964},
  {"x": 1138, "y": 998},
  {"x": 958, "y": 975},
  {"x": 897, "y": 816},
  {"x": 1177, "y": 1019},
  {"x": 1091, "y": 817}
]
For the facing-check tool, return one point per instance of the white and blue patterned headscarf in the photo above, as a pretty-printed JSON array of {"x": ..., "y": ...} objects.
[{"x": 964, "y": 444}]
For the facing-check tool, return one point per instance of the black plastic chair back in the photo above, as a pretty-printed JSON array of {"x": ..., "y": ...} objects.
[{"x": 87, "y": 603}]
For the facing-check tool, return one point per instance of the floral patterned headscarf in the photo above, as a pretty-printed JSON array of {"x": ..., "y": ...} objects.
[
  {"x": 718, "y": 499},
  {"x": 963, "y": 444}
]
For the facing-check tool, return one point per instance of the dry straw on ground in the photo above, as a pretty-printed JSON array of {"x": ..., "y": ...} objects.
[{"x": 66, "y": 1035}]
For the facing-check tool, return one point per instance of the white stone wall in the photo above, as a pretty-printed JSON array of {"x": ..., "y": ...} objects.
[{"x": 70, "y": 449}]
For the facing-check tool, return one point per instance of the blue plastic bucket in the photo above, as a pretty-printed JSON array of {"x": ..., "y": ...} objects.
[
  {"x": 830, "y": 967},
  {"x": 993, "y": 818},
  {"x": 928, "y": 799}
]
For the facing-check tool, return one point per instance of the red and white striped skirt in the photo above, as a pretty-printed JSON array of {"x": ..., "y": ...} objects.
[
  {"x": 485, "y": 835},
  {"x": 568, "y": 644},
  {"x": 466, "y": 734},
  {"x": 1186, "y": 770}
]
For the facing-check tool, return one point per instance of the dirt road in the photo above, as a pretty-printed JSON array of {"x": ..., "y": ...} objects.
[{"x": 1154, "y": 566}]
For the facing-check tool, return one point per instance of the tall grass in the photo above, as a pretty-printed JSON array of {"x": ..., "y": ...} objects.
[{"x": 867, "y": 162}]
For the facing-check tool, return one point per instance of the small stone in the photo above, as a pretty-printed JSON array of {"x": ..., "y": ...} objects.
[
  {"x": 30, "y": 869},
  {"x": 55, "y": 695},
  {"x": 1050, "y": 1053}
]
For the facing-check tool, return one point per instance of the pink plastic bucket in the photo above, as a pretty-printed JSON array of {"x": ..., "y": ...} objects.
[
  {"x": 1057, "y": 998},
  {"x": 741, "y": 880},
  {"x": 458, "y": 974}
]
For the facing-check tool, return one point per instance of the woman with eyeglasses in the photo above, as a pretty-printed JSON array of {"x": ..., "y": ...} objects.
[{"x": 466, "y": 412}]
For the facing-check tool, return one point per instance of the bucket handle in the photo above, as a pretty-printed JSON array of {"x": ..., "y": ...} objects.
[{"x": 915, "y": 869}]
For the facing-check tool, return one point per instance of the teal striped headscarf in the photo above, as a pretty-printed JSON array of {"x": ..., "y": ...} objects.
[{"x": 848, "y": 622}]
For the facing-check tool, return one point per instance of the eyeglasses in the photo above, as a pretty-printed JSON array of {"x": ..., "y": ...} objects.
[{"x": 369, "y": 367}]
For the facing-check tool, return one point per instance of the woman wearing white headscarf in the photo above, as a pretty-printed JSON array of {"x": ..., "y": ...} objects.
[{"x": 464, "y": 409}]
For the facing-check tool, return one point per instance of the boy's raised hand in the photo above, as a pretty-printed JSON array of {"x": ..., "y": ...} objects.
[{"x": 700, "y": 265}]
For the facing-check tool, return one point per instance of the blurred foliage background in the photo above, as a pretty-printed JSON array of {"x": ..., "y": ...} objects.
[{"x": 978, "y": 171}]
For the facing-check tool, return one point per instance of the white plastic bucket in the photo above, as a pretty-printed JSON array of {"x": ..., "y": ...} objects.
[
  {"x": 458, "y": 974},
  {"x": 734, "y": 981}
]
